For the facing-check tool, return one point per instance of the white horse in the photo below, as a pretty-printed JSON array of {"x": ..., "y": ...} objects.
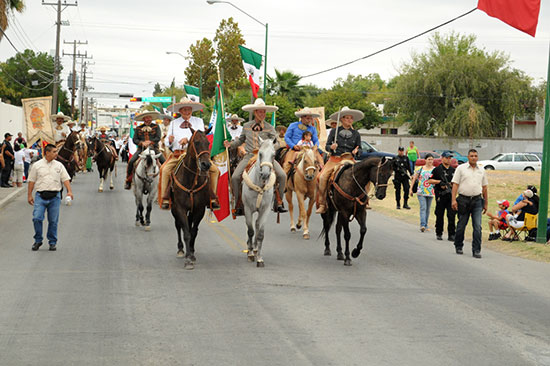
[
  {"x": 258, "y": 197},
  {"x": 145, "y": 183}
]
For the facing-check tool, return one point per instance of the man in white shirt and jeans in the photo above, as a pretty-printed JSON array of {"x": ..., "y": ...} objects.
[
  {"x": 470, "y": 183},
  {"x": 47, "y": 176}
]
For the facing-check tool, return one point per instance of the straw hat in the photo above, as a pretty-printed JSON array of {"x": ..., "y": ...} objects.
[
  {"x": 280, "y": 128},
  {"x": 186, "y": 102},
  {"x": 259, "y": 104},
  {"x": 330, "y": 121},
  {"x": 166, "y": 116},
  {"x": 356, "y": 114},
  {"x": 101, "y": 128},
  {"x": 54, "y": 117},
  {"x": 306, "y": 111},
  {"x": 153, "y": 114},
  {"x": 234, "y": 117},
  {"x": 71, "y": 122}
]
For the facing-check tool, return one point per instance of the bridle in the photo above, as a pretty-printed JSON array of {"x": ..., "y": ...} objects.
[
  {"x": 149, "y": 177},
  {"x": 376, "y": 185},
  {"x": 309, "y": 167},
  {"x": 71, "y": 155}
]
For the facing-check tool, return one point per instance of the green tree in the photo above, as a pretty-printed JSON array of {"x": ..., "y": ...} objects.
[
  {"x": 228, "y": 39},
  {"x": 372, "y": 86},
  {"x": 157, "y": 89},
  {"x": 287, "y": 84},
  {"x": 201, "y": 56},
  {"x": 6, "y": 6},
  {"x": 453, "y": 73}
]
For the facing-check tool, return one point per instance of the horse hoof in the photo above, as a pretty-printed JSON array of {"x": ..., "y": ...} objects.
[
  {"x": 260, "y": 265},
  {"x": 111, "y": 187},
  {"x": 180, "y": 254},
  {"x": 327, "y": 252},
  {"x": 355, "y": 253},
  {"x": 306, "y": 236},
  {"x": 292, "y": 229},
  {"x": 147, "y": 228},
  {"x": 347, "y": 262},
  {"x": 138, "y": 223},
  {"x": 251, "y": 258},
  {"x": 340, "y": 257},
  {"x": 100, "y": 190},
  {"x": 298, "y": 226},
  {"x": 189, "y": 265}
]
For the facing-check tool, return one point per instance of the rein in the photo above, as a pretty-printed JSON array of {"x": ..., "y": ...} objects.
[{"x": 258, "y": 189}]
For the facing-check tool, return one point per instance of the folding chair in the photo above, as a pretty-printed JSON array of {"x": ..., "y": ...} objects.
[{"x": 529, "y": 223}]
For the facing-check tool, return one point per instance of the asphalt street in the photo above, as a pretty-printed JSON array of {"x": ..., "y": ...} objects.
[{"x": 113, "y": 294}]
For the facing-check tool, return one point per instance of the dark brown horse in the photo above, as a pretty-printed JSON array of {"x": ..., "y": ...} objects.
[
  {"x": 347, "y": 196},
  {"x": 66, "y": 153},
  {"x": 190, "y": 195},
  {"x": 105, "y": 160}
]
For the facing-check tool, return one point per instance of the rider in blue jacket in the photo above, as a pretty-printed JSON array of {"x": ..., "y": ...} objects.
[{"x": 294, "y": 134}]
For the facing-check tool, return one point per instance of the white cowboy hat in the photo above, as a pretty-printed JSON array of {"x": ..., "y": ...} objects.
[
  {"x": 306, "y": 111},
  {"x": 102, "y": 127},
  {"x": 166, "y": 116},
  {"x": 185, "y": 102},
  {"x": 259, "y": 104},
  {"x": 54, "y": 117},
  {"x": 71, "y": 122},
  {"x": 356, "y": 114},
  {"x": 154, "y": 114},
  {"x": 234, "y": 117},
  {"x": 330, "y": 121}
]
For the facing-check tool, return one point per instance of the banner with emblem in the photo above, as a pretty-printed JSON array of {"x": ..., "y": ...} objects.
[{"x": 38, "y": 125}]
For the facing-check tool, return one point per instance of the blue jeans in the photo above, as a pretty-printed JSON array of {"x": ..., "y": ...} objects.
[
  {"x": 40, "y": 207},
  {"x": 469, "y": 207},
  {"x": 26, "y": 167},
  {"x": 412, "y": 165},
  {"x": 425, "y": 204}
]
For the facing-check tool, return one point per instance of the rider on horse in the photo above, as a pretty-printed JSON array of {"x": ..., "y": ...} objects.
[
  {"x": 61, "y": 130},
  {"x": 343, "y": 143},
  {"x": 252, "y": 131},
  {"x": 179, "y": 134},
  {"x": 145, "y": 135},
  {"x": 107, "y": 140}
]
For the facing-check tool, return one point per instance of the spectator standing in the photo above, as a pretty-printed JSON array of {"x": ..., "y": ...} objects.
[
  {"x": 20, "y": 139},
  {"x": 441, "y": 179},
  {"x": 412, "y": 154},
  {"x": 48, "y": 176},
  {"x": 29, "y": 155},
  {"x": 470, "y": 183},
  {"x": 425, "y": 191},
  {"x": 8, "y": 154},
  {"x": 401, "y": 178},
  {"x": 18, "y": 165}
]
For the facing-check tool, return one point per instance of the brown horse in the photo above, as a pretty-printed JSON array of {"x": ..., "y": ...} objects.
[
  {"x": 66, "y": 153},
  {"x": 190, "y": 196},
  {"x": 347, "y": 197},
  {"x": 105, "y": 160},
  {"x": 303, "y": 182}
]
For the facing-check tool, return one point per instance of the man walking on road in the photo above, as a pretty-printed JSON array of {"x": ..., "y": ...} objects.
[
  {"x": 470, "y": 182},
  {"x": 47, "y": 176},
  {"x": 441, "y": 178},
  {"x": 9, "y": 157},
  {"x": 401, "y": 178}
]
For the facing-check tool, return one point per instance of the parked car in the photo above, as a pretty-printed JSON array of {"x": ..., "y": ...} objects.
[
  {"x": 512, "y": 161},
  {"x": 539, "y": 154},
  {"x": 437, "y": 159},
  {"x": 458, "y": 156},
  {"x": 369, "y": 151}
]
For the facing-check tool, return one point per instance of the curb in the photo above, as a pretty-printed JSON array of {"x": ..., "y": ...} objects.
[{"x": 11, "y": 196}]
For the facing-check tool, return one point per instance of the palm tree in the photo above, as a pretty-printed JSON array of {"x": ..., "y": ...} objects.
[
  {"x": 5, "y": 7},
  {"x": 286, "y": 84}
]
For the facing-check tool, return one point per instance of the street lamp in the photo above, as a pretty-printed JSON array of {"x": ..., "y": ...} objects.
[
  {"x": 211, "y": 2},
  {"x": 33, "y": 71}
]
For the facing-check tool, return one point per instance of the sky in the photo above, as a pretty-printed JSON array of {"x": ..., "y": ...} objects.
[{"x": 129, "y": 39}]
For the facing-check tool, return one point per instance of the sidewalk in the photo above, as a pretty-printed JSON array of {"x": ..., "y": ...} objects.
[{"x": 9, "y": 194}]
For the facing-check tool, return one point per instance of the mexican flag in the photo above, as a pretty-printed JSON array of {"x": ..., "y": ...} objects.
[
  {"x": 219, "y": 156},
  {"x": 520, "y": 14},
  {"x": 193, "y": 93},
  {"x": 132, "y": 148},
  {"x": 252, "y": 62},
  {"x": 273, "y": 119}
]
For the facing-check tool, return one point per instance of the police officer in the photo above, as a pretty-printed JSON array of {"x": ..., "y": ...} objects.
[
  {"x": 442, "y": 176},
  {"x": 401, "y": 178}
]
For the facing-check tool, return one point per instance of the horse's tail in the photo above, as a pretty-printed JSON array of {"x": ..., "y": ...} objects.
[{"x": 328, "y": 220}]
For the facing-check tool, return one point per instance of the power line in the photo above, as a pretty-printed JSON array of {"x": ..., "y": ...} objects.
[
  {"x": 390, "y": 47},
  {"x": 24, "y": 86}
]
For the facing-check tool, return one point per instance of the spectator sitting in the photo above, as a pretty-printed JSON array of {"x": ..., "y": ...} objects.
[
  {"x": 498, "y": 221},
  {"x": 521, "y": 198},
  {"x": 516, "y": 219}
]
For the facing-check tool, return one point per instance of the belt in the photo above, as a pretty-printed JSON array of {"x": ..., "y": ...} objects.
[{"x": 470, "y": 197}]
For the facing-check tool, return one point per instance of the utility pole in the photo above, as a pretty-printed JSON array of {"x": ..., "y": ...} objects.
[
  {"x": 59, "y": 7},
  {"x": 75, "y": 55}
]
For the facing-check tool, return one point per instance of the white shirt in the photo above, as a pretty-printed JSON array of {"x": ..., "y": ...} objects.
[
  {"x": 470, "y": 180},
  {"x": 179, "y": 133},
  {"x": 28, "y": 154},
  {"x": 48, "y": 176},
  {"x": 235, "y": 133},
  {"x": 19, "y": 157},
  {"x": 119, "y": 143},
  {"x": 58, "y": 130}
]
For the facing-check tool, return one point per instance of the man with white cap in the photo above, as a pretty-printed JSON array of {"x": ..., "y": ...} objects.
[
  {"x": 234, "y": 126},
  {"x": 146, "y": 135},
  {"x": 294, "y": 134},
  {"x": 180, "y": 132},
  {"x": 343, "y": 143},
  {"x": 252, "y": 131},
  {"x": 61, "y": 130}
]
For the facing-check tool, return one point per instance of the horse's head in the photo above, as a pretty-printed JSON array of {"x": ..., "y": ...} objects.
[
  {"x": 309, "y": 164},
  {"x": 380, "y": 173},
  {"x": 266, "y": 156},
  {"x": 199, "y": 148}
]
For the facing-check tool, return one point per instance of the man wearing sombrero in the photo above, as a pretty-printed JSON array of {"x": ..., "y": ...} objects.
[
  {"x": 343, "y": 143},
  {"x": 61, "y": 130},
  {"x": 234, "y": 126},
  {"x": 294, "y": 134},
  {"x": 179, "y": 134},
  {"x": 166, "y": 120},
  {"x": 146, "y": 135},
  {"x": 106, "y": 140},
  {"x": 252, "y": 131},
  {"x": 331, "y": 124}
]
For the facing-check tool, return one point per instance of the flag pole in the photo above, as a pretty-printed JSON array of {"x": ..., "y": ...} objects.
[{"x": 545, "y": 171}]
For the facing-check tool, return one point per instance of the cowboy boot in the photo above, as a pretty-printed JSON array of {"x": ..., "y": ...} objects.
[
  {"x": 128, "y": 183},
  {"x": 280, "y": 205},
  {"x": 166, "y": 198}
]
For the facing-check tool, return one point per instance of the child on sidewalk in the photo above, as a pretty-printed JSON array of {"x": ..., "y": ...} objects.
[{"x": 498, "y": 222}]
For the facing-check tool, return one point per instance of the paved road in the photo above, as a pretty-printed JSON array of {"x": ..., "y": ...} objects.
[{"x": 115, "y": 295}]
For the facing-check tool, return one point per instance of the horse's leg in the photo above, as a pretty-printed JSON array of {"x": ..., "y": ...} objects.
[
  {"x": 302, "y": 209},
  {"x": 347, "y": 237},
  {"x": 308, "y": 215},
  {"x": 112, "y": 185},
  {"x": 288, "y": 196},
  {"x": 181, "y": 253},
  {"x": 194, "y": 222},
  {"x": 248, "y": 215},
  {"x": 326, "y": 229},
  {"x": 340, "y": 255},
  {"x": 361, "y": 218},
  {"x": 187, "y": 238},
  {"x": 148, "y": 213},
  {"x": 260, "y": 226},
  {"x": 139, "y": 206},
  {"x": 101, "y": 179}
]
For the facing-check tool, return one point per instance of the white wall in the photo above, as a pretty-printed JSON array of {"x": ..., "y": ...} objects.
[{"x": 11, "y": 120}]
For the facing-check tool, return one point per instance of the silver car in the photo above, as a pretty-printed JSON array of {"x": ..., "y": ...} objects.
[{"x": 512, "y": 161}]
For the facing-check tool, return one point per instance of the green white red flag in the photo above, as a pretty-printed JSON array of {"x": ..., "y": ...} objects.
[
  {"x": 132, "y": 148},
  {"x": 252, "y": 63},
  {"x": 192, "y": 92},
  {"x": 520, "y": 14}
]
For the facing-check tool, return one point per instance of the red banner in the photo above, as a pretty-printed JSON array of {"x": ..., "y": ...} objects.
[{"x": 520, "y": 14}]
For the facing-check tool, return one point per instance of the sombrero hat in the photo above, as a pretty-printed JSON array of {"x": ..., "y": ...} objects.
[
  {"x": 330, "y": 121},
  {"x": 153, "y": 114},
  {"x": 280, "y": 128},
  {"x": 166, "y": 116},
  {"x": 54, "y": 117},
  {"x": 234, "y": 117},
  {"x": 306, "y": 111},
  {"x": 71, "y": 122},
  {"x": 101, "y": 128},
  {"x": 186, "y": 102},
  {"x": 356, "y": 114},
  {"x": 259, "y": 104}
]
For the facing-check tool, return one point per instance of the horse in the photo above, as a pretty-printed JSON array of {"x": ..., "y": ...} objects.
[
  {"x": 189, "y": 194},
  {"x": 257, "y": 197},
  {"x": 302, "y": 181},
  {"x": 145, "y": 183},
  {"x": 347, "y": 197},
  {"x": 105, "y": 161},
  {"x": 66, "y": 153}
]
